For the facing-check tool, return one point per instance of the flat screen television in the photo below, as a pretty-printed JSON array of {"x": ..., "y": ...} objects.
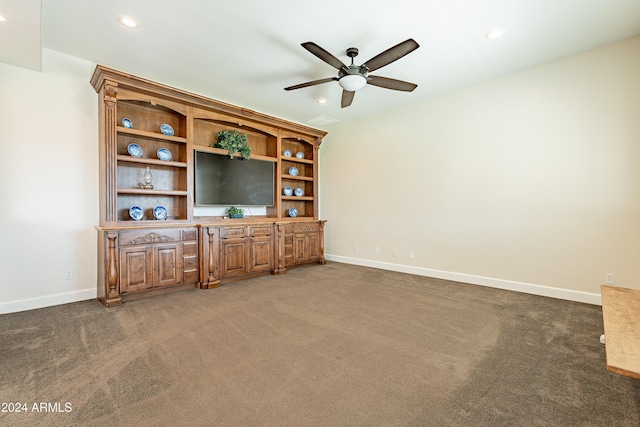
[{"x": 220, "y": 180}]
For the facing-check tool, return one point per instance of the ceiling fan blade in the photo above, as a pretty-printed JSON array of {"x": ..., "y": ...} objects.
[
  {"x": 312, "y": 83},
  {"x": 347, "y": 98},
  {"x": 392, "y": 54},
  {"x": 388, "y": 83},
  {"x": 323, "y": 54}
]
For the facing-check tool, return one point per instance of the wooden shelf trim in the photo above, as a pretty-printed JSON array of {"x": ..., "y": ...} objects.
[
  {"x": 143, "y": 192},
  {"x": 226, "y": 153},
  {"x": 158, "y": 162},
  {"x": 298, "y": 177},
  {"x": 297, "y": 160},
  {"x": 302, "y": 198},
  {"x": 154, "y": 135}
]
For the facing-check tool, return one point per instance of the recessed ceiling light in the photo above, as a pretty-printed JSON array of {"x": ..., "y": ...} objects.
[
  {"x": 2, "y": 18},
  {"x": 322, "y": 101},
  {"x": 495, "y": 34},
  {"x": 127, "y": 21}
]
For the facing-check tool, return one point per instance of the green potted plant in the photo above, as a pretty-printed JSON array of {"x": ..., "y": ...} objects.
[
  {"x": 234, "y": 212},
  {"x": 233, "y": 141}
]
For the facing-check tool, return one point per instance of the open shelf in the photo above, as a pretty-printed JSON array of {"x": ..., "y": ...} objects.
[
  {"x": 262, "y": 140},
  {"x": 298, "y": 178},
  {"x": 144, "y": 192},
  {"x": 296, "y": 160},
  {"x": 158, "y": 162},
  {"x": 226, "y": 153},
  {"x": 147, "y": 134}
]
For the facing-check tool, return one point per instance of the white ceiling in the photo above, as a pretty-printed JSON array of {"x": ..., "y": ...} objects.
[{"x": 245, "y": 52}]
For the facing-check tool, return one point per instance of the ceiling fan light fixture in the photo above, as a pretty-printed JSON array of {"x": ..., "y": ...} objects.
[{"x": 352, "y": 82}]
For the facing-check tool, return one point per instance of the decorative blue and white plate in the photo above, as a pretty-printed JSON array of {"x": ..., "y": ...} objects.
[
  {"x": 298, "y": 192},
  {"x": 293, "y": 212},
  {"x": 134, "y": 150},
  {"x": 164, "y": 154},
  {"x": 166, "y": 129},
  {"x": 288, "y": 191},
  {"x": 293, "y": 171},
  {"x": 127, "y": 123},
  {"x": 300, "y": 155},
  {"x": 160, "y": 212},
  {"x": 287, "y": 153},
  {"x": 135, "y": 212}
]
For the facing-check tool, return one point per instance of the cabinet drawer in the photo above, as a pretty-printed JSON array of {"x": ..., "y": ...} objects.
[
  {"x": 190, "y": 263},
  {"x": 189, "y": 234},
  {"x": 233, "y": 232},
  {"x": 190, "y": 248},
  {"x": 147, "y": 237},
  {"x": 190, "y": 276},
  {"x": 306, "y": 227},
  {"x": 260, "y": 230}
]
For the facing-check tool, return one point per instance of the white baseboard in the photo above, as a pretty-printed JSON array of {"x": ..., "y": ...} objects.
[
  {"x": 528, "y": 288},
  {"x": 47, "y": 300}
]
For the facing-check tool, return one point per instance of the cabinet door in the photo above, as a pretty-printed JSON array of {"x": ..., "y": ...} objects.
[
  {"x": 135, "y": 269},
  {"x": 168, "y": 265},
  {"x": 261, "y": 253},
  {"x": 306, "y": 247},
  {"x": 299, "y": 248},
  {"x": 233, "y": 257},
  {"x": 313, "y": 246}
]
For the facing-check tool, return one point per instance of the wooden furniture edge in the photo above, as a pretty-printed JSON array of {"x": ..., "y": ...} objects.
[{"x": 621, "y": 327}]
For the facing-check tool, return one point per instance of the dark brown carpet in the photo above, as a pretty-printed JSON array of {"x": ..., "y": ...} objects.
[{"x": 333, "y": 345}]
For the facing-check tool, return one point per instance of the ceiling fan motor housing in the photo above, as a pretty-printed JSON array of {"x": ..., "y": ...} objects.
[{"x": 352, "y": 70}]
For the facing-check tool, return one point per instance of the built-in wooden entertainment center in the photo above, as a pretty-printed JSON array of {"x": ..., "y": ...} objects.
[{"x": 148, "y": 256}]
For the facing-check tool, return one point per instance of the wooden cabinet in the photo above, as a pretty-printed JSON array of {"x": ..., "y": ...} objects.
[
  {"x": 146, "y": 126},
  {"x": 236, "y": 251},
  {"x": 146, "y": 261},
  {"x": 304, "y": 243}
]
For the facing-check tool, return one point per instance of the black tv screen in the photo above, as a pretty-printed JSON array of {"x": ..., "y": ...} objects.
[{"x": 220, "y": 180}]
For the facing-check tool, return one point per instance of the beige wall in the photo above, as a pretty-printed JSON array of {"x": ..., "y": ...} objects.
[
  {"x": 530, "y": 181},
  {"x": 48, "y": 183}
]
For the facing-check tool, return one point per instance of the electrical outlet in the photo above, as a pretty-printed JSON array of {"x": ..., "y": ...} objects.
[
  {"x": 395, "y": 253},
  {"x": 68, "y": 275},
  {"x": 609, "y": 278},
  {"x": 356, "y": 248},
  {"x": 412, "y": 255},
  {"x": 377, "y": 250}
]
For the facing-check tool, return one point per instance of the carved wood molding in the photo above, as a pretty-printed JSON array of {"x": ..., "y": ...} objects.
[
  {"x": 152, "y": 238},
  {"x": 104, "y": 75},
  {"x": 110, "y": 95},
  {"x": 112, "y": 272}
]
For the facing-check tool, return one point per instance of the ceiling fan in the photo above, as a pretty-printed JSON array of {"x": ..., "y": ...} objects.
[{"x": 353, "y": 77}]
